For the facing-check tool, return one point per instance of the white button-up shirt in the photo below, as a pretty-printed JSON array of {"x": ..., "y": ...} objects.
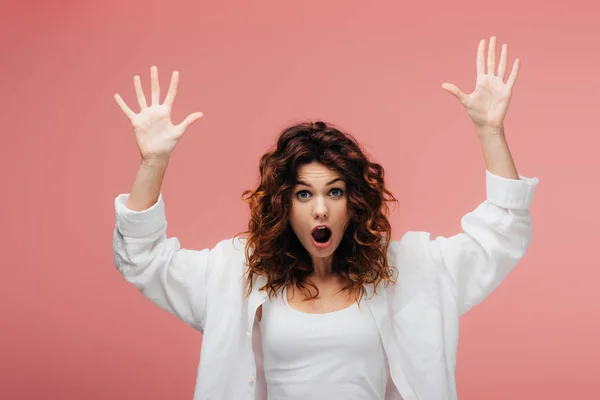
[{"x": 439, "y": 279}]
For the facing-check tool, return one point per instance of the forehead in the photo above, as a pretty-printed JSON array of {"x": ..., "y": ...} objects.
[{"x": 315, "y": 173}]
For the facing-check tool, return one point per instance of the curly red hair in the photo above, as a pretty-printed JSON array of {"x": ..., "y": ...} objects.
[{"x": 273, "y": 250}]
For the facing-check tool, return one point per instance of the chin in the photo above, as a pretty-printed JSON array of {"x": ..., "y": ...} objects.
[{"x": 322, "y": 252}]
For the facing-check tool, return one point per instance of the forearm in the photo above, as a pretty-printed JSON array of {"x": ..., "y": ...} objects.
[
  {"x": 147, "y": 184},
  {"x": 496, "y": 153}
]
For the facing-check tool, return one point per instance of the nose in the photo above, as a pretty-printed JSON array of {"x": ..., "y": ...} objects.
[{"x": 320, "y": 209}]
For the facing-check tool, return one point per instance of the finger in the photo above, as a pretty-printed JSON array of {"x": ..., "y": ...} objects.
[
  {"x": 514, "y": 73},
  {"x": 126, "y": 110},
  {"x": 154, "y": 86},
  {"x": 502, "y": 64},
  {"x": 491, "y": 60},
  {"x": 452, "y": 89},
  {"x": 480, "y": 55},
  {"x": 190, "y": 120},
  {"x": 139, "y": 92},
  {"x": 170, "y": 99}
]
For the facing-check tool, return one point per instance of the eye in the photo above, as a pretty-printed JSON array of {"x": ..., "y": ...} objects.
[
  {"x": 337, "y": 190},
  {"x": 301, "y": 193}
]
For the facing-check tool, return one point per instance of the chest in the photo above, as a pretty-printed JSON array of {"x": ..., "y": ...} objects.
[
  {"x": 330, "y": 298},
  {"x": 291, "y": 334}
]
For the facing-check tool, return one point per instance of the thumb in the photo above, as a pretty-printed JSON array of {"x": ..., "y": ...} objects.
[
  {"x": 190, "y": 119},
  {"x": 452, "y": 89}
]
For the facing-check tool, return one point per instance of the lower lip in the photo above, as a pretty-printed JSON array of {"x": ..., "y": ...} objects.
[{"x": 322, "y": 245}]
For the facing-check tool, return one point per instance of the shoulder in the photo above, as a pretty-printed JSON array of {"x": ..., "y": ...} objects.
[
  {"x": 417, "y": 272},
  {"x": 410, "y": 251},
  {"x": 411, "y": 257},
  {"x": 226, "y": 268},
  {"x": 232, "y": 246},
  {"x": 228, "y": 251},
  {"x": 227, "y": 257}
]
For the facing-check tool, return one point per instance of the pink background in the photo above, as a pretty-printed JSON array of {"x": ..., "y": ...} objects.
[{"x": 72, "y": 328}]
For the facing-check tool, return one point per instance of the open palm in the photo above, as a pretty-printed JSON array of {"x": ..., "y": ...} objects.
[
  {"x": 487, "y": 105},
  {"x": 155, "y": 134}
]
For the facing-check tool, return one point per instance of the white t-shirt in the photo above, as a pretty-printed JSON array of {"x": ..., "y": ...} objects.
[{"x": 336, "y": 355}]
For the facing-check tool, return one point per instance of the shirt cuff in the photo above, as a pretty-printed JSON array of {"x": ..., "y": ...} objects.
[
  {"x": 510, "y": 193},
  {"x": 139, "y": 223}
]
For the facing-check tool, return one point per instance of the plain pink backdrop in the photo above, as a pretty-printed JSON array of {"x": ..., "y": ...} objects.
[{"x": 72, "y": 328}]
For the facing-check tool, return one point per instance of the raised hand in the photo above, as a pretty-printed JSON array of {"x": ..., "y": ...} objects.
[
  {"x": 155, "y": 134},
  {"x": 488, "y": 104}
]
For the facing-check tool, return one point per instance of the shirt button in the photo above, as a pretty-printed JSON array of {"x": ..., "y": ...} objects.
[
  {"x": 251, "y": 378},
  {"x": 248, "y": 333}
]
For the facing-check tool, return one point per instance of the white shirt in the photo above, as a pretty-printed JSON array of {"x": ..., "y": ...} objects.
[
  {"x": 334, "y": 355},
  {"x": 439, "y": 279}
]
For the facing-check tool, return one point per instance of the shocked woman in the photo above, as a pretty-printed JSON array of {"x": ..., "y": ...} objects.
[{"x": 314, "y": 300}]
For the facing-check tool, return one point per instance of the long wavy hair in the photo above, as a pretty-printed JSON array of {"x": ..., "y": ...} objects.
[{"x": 272, "y": 248}]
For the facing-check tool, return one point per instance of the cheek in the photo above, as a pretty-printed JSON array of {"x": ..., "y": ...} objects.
[
  {"x": 296, "y": 218},
  {"x": 342, "y": 212}
]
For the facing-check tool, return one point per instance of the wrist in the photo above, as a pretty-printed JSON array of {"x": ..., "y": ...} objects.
[
  {"x": 155, "y": 162},
  {"x": 487, "y": 131}
]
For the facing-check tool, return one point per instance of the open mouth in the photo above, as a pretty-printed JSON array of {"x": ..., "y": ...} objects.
[{"x": 321, "y": 234}]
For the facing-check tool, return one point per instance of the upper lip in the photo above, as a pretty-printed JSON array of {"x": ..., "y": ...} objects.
[{"x": 321, "y": 226}]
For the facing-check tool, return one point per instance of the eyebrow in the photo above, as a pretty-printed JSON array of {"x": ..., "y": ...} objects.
[{"x": 327, "y": 184}]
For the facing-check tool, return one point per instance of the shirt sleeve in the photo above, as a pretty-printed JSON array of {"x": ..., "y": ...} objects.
[
  {"x": 494, "y": 238},
  {"x": 171, "y": 277}
]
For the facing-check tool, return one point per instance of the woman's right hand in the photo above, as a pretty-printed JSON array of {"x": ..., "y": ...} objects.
[{"x": 155, "y": 134}]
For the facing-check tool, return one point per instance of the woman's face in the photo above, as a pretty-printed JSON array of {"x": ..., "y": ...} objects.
[{"x": 319, "y": 199}]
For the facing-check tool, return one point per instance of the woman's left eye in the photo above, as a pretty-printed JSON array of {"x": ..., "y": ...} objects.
[{"x": 339, "y": 191}]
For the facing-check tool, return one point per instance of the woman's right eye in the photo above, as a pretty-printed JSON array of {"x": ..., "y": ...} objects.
[{"x": 300, "y": 193}]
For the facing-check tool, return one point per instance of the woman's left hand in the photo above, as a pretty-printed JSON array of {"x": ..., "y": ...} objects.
[{"x": 488, "y": 104}]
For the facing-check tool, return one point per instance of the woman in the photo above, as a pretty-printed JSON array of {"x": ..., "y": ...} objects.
[{"x": 316, "y": 301}]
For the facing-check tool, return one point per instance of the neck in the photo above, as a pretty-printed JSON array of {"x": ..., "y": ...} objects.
[{"x": 323, "y": 268}]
